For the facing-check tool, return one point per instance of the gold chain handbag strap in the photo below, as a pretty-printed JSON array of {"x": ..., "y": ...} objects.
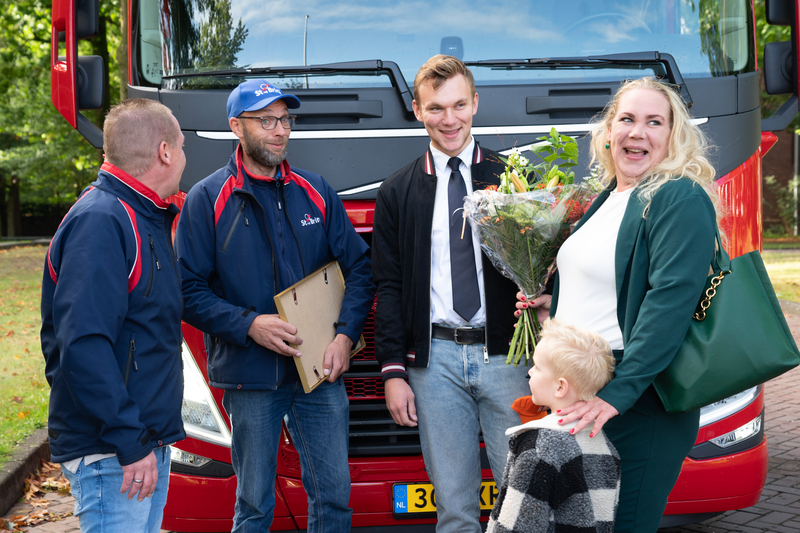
[{"x": 705, "y": 303}]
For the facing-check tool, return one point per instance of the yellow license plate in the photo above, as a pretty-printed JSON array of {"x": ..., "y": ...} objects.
[{"x": 410, "y": 498}]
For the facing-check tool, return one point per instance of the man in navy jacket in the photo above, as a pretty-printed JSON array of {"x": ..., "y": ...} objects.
[
  {"x": 247, "y": 232},
  {"x": 111, "y": 326}
]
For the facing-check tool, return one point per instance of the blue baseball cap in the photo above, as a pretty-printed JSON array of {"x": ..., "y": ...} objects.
[{"x": 253, "y": 95}]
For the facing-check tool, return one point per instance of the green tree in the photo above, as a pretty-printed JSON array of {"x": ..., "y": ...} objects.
[{"x": 219, "y": 41}]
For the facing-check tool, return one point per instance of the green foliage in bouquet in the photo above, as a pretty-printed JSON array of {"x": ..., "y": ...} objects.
[{"x": 557, "y": 152}]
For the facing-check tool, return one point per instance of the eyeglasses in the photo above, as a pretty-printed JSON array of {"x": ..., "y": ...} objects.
[{"x": 270, "y": 123}]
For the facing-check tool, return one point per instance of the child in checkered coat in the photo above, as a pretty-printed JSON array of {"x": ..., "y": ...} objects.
[{"x": 555, "y": 480}]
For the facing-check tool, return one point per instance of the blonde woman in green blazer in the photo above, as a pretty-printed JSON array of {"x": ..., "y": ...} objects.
[{"x": 657, "y": 266}]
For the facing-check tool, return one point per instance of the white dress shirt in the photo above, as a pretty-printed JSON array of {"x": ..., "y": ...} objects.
[{"x": 441, "y": 282}]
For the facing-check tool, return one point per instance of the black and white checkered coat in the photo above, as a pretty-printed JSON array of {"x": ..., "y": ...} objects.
[{"x": 557, "y": 482}]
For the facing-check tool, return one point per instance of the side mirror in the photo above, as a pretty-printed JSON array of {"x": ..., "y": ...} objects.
[{"x": 76, "y": 82}]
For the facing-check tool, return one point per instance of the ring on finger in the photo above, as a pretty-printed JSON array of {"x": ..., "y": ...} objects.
[
  {"x": 138, "y": 480},
  {"x": 593, "y": 414}
]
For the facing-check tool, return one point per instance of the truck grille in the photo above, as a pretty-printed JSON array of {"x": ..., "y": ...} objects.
[{"x": 372, "y": 430}]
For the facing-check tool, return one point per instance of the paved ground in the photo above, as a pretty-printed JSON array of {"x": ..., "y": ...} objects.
[{"x": 778, "y": 510}]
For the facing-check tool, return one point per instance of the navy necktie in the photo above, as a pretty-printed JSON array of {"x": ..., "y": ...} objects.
[{"x": 463, "y": 273}]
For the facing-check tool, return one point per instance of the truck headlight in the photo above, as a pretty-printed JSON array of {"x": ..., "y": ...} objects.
[
  {"x": 739, "y": 434},
  {"x": 201, "y": 417},
  {"x": 724, "y": 408},
  {"x": 186, "y": 458}
]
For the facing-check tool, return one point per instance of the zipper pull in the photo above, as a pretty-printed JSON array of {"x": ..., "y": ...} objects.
[
  {"x": 278, "y": 185},
  {"x": 246, "y": 222},
  {"x": 135, "y": 366},
  {"x": 485, "y": 355},
  {"x": 153, "y": 251}
]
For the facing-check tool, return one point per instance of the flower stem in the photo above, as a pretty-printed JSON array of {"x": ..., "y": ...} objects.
[{"x": 512, "y": 350}]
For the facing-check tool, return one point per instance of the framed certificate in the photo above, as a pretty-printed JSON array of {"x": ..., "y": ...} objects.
[{"x": 312, "y": 305}]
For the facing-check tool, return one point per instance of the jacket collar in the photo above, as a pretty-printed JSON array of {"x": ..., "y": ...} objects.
[
  {"x": 429, "y": 167},
  {"x": 240, "y": 171},
  {"x": 125, "y": 185},
  {"x": 548, "y": 422}
]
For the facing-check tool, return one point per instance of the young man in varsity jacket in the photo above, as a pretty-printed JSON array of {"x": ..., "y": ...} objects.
[
  {"x": 444, "y": 314},
  {"x": 111, "y": 326}
]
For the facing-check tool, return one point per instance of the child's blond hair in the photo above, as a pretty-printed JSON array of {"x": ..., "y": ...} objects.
[{"x": 580, "y": 356}]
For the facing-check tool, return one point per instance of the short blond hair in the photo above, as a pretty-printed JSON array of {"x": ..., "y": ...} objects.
[
  {"x": 133, "y": 131},
  {"x": 438, "y": 70},
  {"x": 580, "y": 356}
]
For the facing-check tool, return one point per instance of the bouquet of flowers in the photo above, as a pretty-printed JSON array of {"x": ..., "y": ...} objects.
[{"x": 522, "y": 224}]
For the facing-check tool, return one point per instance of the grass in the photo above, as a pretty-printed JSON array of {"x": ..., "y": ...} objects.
[
  {"x": 781, "y": 243},
  {"x": 24, "y": 392},
  {"x": 783, "y": 267}
]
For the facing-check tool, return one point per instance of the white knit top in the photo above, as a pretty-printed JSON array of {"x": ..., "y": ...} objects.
[{"x": 587, "y": 288}]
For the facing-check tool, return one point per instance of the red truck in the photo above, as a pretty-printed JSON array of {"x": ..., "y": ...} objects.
[{"x": 537, "y": 65}]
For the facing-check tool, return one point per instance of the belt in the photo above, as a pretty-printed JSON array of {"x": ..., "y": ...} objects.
[{"x": 459, "y": 335}]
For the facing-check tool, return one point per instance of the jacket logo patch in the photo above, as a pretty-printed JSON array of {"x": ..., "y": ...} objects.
[{"x": 309, "y": 220}]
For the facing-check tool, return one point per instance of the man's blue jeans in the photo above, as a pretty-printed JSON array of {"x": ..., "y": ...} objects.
[
  {"x": 458, "y": 396},
  {"x": 318, "y": 425},
  {"x": 102, "y": 508}
]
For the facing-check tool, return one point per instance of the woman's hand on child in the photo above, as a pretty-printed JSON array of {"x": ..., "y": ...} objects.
[
  {"x": 541, "y": 304},
  {"x": 598, "y": 411}
]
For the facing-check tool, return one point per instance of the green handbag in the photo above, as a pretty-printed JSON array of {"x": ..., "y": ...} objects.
[{"x": 738, "y": 338}]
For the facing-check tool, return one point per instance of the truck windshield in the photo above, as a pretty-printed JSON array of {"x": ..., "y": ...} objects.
[{"x": 706, "y": 37}]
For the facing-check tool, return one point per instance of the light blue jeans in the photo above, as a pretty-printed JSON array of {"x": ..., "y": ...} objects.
[
  {"x": 102, "y": 508},
  {"x": 458, "y": 396},
  {"x": 318, "y": 425}
]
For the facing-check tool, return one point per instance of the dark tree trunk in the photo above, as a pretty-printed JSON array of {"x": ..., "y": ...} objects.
[
  {"x": 12, "y": 208},
  {"x": 122, "y": 52},
  {"x": 2, "y": 200}
]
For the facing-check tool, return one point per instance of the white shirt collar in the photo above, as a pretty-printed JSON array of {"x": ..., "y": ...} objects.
[{"x": 440, "y": 158}]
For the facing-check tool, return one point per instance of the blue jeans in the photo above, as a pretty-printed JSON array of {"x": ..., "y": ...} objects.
[
  {"x": 458, "y": 396},
  {"x": 102, "y": 508},
  {"x": 318, "y": 425}
]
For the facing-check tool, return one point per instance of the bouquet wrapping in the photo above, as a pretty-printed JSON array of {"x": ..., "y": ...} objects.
[{"x": 523, "y": 223}]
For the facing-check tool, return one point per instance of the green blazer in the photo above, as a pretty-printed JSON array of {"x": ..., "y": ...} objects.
[{"x": 662, "y": 263}]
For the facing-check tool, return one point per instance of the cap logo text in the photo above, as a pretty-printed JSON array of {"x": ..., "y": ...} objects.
[{"x": 267, "y": 88}]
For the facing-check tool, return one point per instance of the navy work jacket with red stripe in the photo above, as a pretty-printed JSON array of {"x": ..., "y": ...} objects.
[
  {"x": 236, "y": 253},
  {"x": 111, "y": 324}
]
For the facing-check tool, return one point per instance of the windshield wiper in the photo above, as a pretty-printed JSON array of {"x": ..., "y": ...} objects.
[
  {"x": 398, "y": 81},
  {"x": 634, "y": 58}
]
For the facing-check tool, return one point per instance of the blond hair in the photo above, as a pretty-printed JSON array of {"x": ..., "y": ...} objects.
[
  {"x": 687, "y": 148},
  {"x": 132, "y": 132},
  {"x": 580, "y": 356},
  {"x": 438, "y": 70}
]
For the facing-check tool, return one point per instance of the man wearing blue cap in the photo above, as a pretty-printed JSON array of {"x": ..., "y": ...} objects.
[{"x": 246, "y": 233}]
